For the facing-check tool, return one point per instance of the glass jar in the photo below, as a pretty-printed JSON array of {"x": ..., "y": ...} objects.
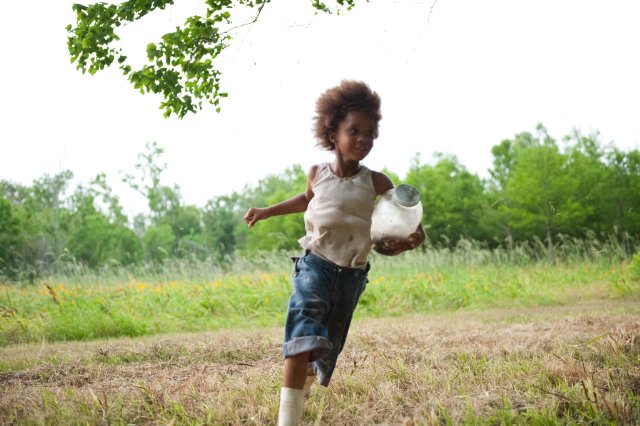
[{"x": 397, "y": 214}]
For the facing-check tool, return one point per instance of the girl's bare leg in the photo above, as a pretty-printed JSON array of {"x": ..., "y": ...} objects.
[
  {"x": 310, "y": 380},
  {"x": 292, "y": 393},
  {"x": 295, "y": 371}
]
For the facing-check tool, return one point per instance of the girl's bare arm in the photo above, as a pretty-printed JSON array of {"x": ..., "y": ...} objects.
[
  {"x": 393, "y": 247},
  {"x": 296, "y": 204}
]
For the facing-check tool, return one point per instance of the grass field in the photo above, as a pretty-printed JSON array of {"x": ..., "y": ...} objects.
[
  {"x": 464, "y": 338},
  {"x": 195, "y": 297},
  {"x": 576, "y": 363}
]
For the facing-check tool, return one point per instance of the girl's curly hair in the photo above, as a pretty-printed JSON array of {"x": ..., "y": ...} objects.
[{"x": 334, "y": 104}]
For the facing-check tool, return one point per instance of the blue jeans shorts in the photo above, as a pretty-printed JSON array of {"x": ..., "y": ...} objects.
[{"x": 321, "y": 305}]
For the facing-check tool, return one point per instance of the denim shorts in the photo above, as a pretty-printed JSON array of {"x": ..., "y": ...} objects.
[{"x": 321, "y": 305}]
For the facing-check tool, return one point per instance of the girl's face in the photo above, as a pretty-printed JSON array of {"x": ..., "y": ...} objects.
[{"x": 354, "y": 137}]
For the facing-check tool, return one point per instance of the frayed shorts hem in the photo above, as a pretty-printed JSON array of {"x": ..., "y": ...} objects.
[{"x": 316, "y": 345}]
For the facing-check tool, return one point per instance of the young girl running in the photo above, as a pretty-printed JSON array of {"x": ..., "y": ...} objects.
[{"x": 330, "y": 277}]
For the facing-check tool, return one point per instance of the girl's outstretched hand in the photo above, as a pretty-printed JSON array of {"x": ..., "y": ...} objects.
[
  {"x": 394, "y": 247},
  {"x": 253, "y": 215}
]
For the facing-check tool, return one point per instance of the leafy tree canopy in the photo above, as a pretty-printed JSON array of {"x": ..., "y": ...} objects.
[
  {"x": 539, "y": 191},
  {"x": 181, "y": 66},
  {"x": 452, "y": 198}
]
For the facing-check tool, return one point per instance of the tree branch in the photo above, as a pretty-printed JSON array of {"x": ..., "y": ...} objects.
[{"x": 246, "y": 23}]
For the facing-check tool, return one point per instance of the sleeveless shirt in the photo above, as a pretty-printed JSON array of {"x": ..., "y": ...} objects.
[{"x": 338, "y": 217}]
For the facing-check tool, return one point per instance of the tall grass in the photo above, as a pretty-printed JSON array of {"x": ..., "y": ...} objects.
[
  {"x": 465, "y": 253},
  {"x": 77, "y": 303}
]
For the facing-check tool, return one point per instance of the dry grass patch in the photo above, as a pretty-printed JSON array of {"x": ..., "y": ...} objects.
[{"x": 576, "y": 363}]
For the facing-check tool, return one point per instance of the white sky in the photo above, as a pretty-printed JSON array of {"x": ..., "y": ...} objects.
[{"x": 477, "y": 73}]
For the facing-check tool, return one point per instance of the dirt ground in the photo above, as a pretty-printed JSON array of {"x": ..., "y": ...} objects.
[{"x": 579, "y": 361}]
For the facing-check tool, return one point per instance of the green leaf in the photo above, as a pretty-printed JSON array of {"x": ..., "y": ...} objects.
[{"x": 181, "y": 66}]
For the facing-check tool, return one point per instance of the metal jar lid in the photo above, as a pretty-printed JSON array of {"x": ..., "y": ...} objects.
[{"x": 406, "y": 195}]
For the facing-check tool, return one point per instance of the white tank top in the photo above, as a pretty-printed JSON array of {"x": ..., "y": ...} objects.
[{"x": 338, "y": 218}]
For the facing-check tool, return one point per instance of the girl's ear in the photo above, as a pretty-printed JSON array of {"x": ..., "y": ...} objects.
[{"x": 332, "y": 137}]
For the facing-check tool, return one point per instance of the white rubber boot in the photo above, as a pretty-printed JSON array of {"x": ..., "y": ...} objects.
[{"x": 291, "y": 407}]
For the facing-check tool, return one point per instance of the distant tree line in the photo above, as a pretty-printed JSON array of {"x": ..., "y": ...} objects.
[{"x": 539, "y": 189}]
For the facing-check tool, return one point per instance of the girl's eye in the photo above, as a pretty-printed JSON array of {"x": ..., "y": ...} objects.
[{"x": 353, "y": 131}]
